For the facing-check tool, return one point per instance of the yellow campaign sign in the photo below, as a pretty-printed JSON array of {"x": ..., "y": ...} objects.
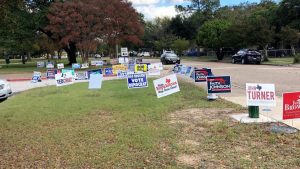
[
  {"x": 116, "y": 68},
  {"x": 140, "y": 68}
]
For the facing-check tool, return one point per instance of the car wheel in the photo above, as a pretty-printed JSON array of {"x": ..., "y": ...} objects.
[
  {"x": 178, "y": 62},
  {"x": 243, "y": 61},
  {"x": 233, "y": 61}
]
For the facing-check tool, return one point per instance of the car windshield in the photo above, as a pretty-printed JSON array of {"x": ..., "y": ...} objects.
[{"x": 171, "y": 55}]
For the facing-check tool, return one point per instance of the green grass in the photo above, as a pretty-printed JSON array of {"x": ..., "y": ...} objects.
[
  {"x": 280, "y": 61},
  {"x": 79, "y": 128}
]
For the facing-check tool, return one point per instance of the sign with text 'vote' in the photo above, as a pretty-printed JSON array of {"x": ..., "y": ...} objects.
[{"x": 137, "y": 80}]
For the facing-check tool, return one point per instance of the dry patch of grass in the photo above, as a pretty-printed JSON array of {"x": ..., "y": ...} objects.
[{"x": 208, "y": 138}]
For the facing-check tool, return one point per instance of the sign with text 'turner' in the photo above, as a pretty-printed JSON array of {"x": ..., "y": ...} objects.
[{"x": 260, "y": 94}]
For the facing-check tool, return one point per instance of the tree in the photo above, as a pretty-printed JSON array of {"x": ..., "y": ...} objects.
[
  {"x": 179, "y": 45},
  {"x": 80, "y": 24},
  {"x": 290, "y": 37},
  {"x": 210, "y": 35}
]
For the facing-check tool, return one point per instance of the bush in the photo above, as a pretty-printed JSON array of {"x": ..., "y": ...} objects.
[{"x": 297, "y": 58}]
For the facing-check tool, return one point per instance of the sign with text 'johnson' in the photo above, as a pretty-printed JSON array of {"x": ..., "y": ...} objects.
[
  {"x": 218, "y": 84},
  {"x": 201, "y": 74},
  {"x": 137, "y": 80},
  {"x": 260, "y": 94},
  {"x": 291, "y": 105},
  {"x": 166, "y": 86}
]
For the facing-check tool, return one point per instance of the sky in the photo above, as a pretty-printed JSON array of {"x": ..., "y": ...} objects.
[{"x": 160, "y": 8}]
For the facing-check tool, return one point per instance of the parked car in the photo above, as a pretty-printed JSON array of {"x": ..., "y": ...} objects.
[
  {"x": 142, "y": 54},
  {"x": 5, "y": 90},
  {"x": 247, "y": 56},
  {"x": 169, "y": 57}
]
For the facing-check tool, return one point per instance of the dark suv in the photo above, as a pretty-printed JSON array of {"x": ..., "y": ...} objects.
[{"x": 247, "y": 56}]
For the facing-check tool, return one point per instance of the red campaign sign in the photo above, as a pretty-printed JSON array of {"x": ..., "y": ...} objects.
[{"x": 291, "y": 105}]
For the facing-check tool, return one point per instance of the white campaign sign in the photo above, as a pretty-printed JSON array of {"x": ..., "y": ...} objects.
[
  {"x": 166, "y": 86},
  {"x": 260, "y": 94},
  {"x": 153, "y": 70},
  {"x": 95, "y": 81},
  {"x": 158, "y": 66},
  {"x": 64, "y": 79},
  {"x": 124, "y": 52},
  {"x": 60, "y": 66}
]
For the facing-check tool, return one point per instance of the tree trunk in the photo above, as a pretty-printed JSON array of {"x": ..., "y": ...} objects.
[
  {"x": 293, "y": 50},
  {"x": 71, "y": 51},
  {"x": 28, "y": 56},
  {"x": 220, "y": 54},
  {"x": 266, "y": 56}
]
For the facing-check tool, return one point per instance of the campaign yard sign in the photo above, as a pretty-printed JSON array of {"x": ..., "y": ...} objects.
[
  {"x": 188, "y": 71},
  {"x": 95, "y": 81},
  {"x": 260, "y": 94},
  {"x": 85, "y": 66},
  {"x": 166, "y": 86},
  {"x": 50, "y": 65},
  {"x": 137, "y": 80},
  {"x": 40, "y": 64},
  {"x": 76, "y": 66},
  {"x": 158, "y": 66},
  {"x": 177, "y": 68},
  {"x": 81, "y": 76},
  {"x": 116, "y": 68},
  {"x": 50, "y": 74},
  {"x": 60, "y": 66},
  {"x": 122, "y": 74},
  {"x": 64, "y": 79},
  {"x": 123, "y": 60},
  {"x": 140, "y": 68},
  {"x": 218, "y": 84},
  {"x": 97, "y": 71},
  {"x": 124, "y": 52},
  {"x": 131, "y": 67},
  {"x": 153, "y": 70},
  {"x": 37, "y": 77},
  {"x": 97, "y": 63},
  {"x": 183, "y": 69},
  {"x": 72, "y": 71},
  {"x": 291, "y": 105},
  {"x": 108, "y": 71},
  {"x": 201, "y": 74}
]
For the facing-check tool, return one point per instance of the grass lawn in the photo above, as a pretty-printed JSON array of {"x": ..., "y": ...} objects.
[
  {"x": 280, "y": 61},
  {"x": 73, "y": 127}
]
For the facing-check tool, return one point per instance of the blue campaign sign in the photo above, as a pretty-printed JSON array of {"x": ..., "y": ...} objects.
[
  {"x": 97, "y": 71},
  {"x": 122, "y": 74},
  {"x": 201, "y": 74},
  {"x": 109, "y": 71},
  {"x": 188, "y": 70},
  {"x": 131, "y": 67},
  {"x": 218, "y": 84},
  {"x": 76, "y": 66},
  {"x": 137, "y": 80},
  {"x": 183, "y": 69}
]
